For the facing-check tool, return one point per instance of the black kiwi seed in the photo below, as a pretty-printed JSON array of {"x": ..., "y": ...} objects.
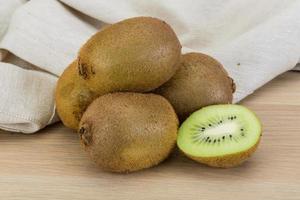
[{"x": 202, "y": 128}]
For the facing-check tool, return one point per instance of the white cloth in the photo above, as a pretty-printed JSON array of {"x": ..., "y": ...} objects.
[{"x": 254, "y": 40}]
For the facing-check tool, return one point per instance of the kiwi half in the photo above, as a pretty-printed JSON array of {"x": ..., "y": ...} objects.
[
  {"x": 125, "y": 132},
  {"x": 200, "y": 81},
  {"x": 220, "y": 135}
]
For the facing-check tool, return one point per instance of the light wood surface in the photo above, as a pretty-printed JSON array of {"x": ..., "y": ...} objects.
[{"x": 52, "y": 165}]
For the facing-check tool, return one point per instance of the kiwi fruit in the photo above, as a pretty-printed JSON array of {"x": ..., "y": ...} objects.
[
  {"x": 220, "y": 135},
  {"x": 125, "y": 132},
  {"x": 200, "y": 81},
  {"x": 72, "y": 97},
  {"x": 137, "y": 55}
]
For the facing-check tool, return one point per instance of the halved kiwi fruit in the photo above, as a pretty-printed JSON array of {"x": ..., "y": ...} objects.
[
  {"x": 125, "y": 132},
  {"x": 220, "y": 135}
]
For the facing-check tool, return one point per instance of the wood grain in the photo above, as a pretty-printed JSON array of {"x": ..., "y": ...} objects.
[{"x": 52, "y": 165}]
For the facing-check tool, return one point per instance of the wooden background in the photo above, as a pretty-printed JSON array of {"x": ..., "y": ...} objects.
[{"x": 52, "y": 165}]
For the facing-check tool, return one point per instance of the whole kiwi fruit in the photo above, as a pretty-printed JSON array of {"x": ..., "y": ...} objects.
[
  {"x": 137, "y": 55},
  {"x": 200, "y": 81},
  {"x": 72, "y": 97},
  {"x": 125, "y": 132}
]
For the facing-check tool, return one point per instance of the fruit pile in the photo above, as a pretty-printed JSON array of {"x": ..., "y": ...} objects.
[{"x": 129, "y": 89}]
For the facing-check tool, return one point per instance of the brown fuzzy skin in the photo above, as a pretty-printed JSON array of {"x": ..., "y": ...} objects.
[
  {"x": 125, "y": 132},
  {"x": 228, "y": 161},
  {"x": 200, "y": 81},
  {"x": 138, "y": 55},
  {"x": 72, "y": 97}
]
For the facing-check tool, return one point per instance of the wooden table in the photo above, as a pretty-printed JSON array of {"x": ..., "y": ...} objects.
[{"x": 52, "y": 165}]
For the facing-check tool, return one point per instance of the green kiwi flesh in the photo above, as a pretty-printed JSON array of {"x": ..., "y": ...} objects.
[{"x": 220, "y": 135}]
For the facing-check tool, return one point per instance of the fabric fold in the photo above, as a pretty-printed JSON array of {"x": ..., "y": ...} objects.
[
  {"x": 46, "y": 34},
  {"x": 27, "y": 102}
]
